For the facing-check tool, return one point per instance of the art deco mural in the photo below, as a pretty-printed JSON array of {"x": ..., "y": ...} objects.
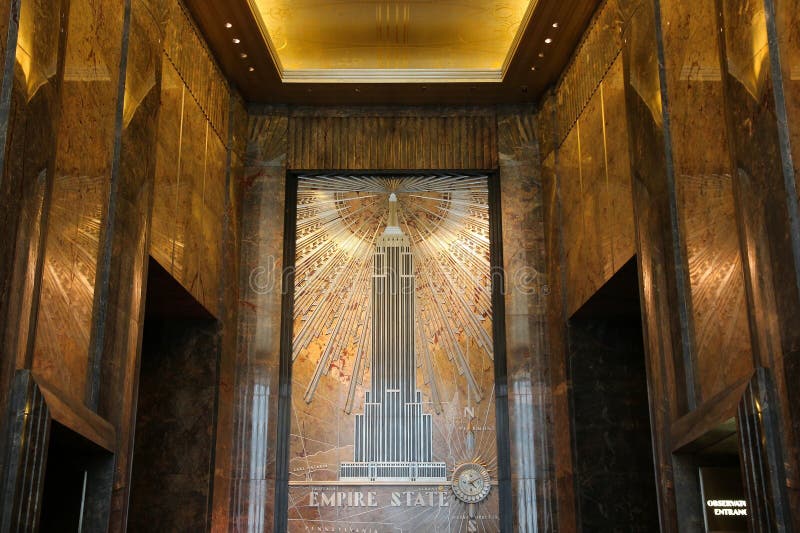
[{"x": 393, "y": 401}]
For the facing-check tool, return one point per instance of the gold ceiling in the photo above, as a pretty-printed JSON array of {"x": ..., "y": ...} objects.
[{"x": 374, "y": 41}]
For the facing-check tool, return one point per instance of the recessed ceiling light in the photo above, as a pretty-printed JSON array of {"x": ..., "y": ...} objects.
[
  {"x": 236, "y": 40},
  {"x": 548, "y": 40},
  {"x": 541, "y": 54},
  {"x": 228, "y": 25},
  {"x": 533, "y": 68},
  {"x": 251, "y": 69},
  {"x": 243, "y": 55},
  {"x": 555, "y": 24}
]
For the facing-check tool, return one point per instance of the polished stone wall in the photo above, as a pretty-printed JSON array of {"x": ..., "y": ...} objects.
[
  {"x": 172, "y": 475},
  {"x": 274, "y": 146},
  {"x": 703, "y": 119},
  {"x": 90, "y": 107},
  {"x": 614, "y": 475},
  {"x": 29, "y": 123},
  {"x": 673, "y": 135}
]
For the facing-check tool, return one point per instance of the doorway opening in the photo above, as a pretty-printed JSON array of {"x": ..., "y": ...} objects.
[
  {"x": 710, "y": 495},
  {"x": 173, "y": 457},
  {"x": 77, "y": 482},
  {"x": 612, "y": 447}
]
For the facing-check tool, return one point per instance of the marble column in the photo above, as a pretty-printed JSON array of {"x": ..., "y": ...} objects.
[
  {"x": 259, "y": 339},
  {"x": 529, "y": 393}
]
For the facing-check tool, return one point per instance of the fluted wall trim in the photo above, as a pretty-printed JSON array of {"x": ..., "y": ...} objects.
[
  {"x": 761, "y": 456},
  {"x": 595, "y": 54},
  {"x": 392, "y": 139},
  {"x": 27, "y": 441},
  {"x": 186, "y": 50}
]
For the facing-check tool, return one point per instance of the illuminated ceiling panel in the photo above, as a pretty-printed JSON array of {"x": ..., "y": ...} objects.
[{"x": 373, "y": 41}]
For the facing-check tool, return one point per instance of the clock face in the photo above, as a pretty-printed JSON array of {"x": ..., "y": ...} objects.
[{"x": 471, "y": 483}]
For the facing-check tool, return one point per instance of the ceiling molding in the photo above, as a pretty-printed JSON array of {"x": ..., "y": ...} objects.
[{"x": 391, "y": 76}]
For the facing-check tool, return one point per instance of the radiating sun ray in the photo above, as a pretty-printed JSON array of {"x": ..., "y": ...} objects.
[{"x": 338, "y": 218}]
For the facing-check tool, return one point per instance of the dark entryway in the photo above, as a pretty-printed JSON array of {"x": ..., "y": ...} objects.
[
  {"x": 77, "y": 483},
  {"x": 173, "y": 457},
  {"x": 614, "y": 475}
]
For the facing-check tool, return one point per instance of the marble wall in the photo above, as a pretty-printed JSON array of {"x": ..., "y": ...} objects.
[
  {"x": 276, "y": 144},
  {"x": 78, "y": 204},
  {"x": 705, "y": 127},
  {"x": 120, "y": 139},
  {"x": 86, "y": 151},
  {"x": 614, "y": 475},
  {"x": 533, "y": 492},
  {"x": 173, "y": 455},
  {"x": 29, "y": 122}
]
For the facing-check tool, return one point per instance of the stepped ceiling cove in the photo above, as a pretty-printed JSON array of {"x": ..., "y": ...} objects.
[
  {"x": 392, "y": 52},
  {"x": 457, "y": 40}
]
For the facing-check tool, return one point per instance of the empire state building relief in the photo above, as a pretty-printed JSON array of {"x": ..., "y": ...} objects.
[{"x": 393, "y": 401}]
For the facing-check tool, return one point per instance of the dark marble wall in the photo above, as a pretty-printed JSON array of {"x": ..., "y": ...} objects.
[
  {"x": 173, "y": 453},
  {"x": 614, "y": 475}
]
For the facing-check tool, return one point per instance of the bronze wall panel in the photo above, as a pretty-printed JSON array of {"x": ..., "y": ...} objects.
[
  {"x": 598, "y": 50},
  {"x": 570, "y": 185},
  {"x": 597, "y": 265},
  {"x": 655, "y": 247},
  {"x": 705, "y": 196},
  {"x": 332, "y": 138},
  {"x": 618, "y": 167},
  {"x": 80, "y": 193},
  {"x": 189, "y": 208},
  {"x": 186, "y": 49}
]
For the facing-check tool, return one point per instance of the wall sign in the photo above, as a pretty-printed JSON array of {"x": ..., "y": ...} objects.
[
  {"x": 393, "y": 404},
  {"x": 724, "y": 505}
]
